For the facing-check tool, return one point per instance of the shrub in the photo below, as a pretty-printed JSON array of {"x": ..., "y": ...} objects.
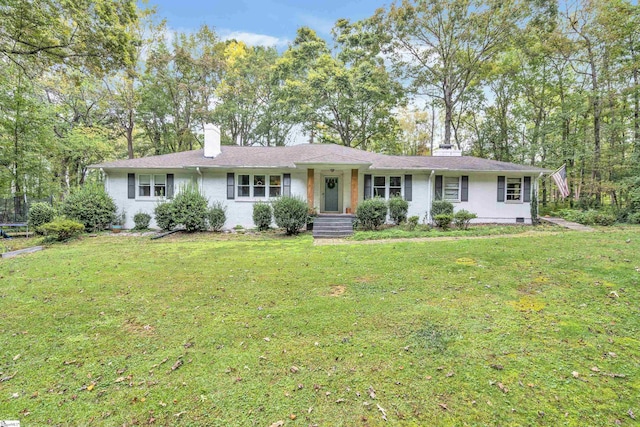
[
  {"x": 40, "y": 213},
  {"x": 262, "y": 216},
  {"x": 141, "y": 220},
  {"x": 439, "y": 207},
  {"x": 634, "y": 218},
  {"x": 217, "y": 216},
  {"x": 165, "y": 218},
  {"x": 412, "y": 222},
  {"x": 61, "y": 229},
  {"x": 462, "y": 218},
  {"x": 443, "y": 221},
  {"x": 398, "y": 208},
  {"x": 371, "y": 213},
  {"x": 91, "y": 206},
  {"x": 290, "y": 213},
  {"x": 190, "y": 209},
  {"x": 600, "y": 218}
]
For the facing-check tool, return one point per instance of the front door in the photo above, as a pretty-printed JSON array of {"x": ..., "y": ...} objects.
[{"x": 331, "y": 193}]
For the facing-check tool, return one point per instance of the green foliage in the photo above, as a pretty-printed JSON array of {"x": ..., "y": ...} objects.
[
  {"x": 443, "y": 220},
  {"x": 634, "y": 218},
  {"x": 217, "y": 216},
  {"x": 371, "y": 213},
  {"x": 398, "y": 208},
  {"x": 190, "y": 209},
  {"x": 141, "y": 220},
  {"x": 40, "y": 213},
  {"x": 463, "y": 218},
  {"x": 165, "y": 216},
  {"x": 61, "y": 229},
  {"x": 91, "y": 206},
  {"x": 290, "y": 213},
  {"x": 589, "y": 217},
  {"x": 534, "y": 207},
  {"x": 412, "y": 222},
  {"x": 441, "y": 207},
  {"x": 262, "y": 216}
]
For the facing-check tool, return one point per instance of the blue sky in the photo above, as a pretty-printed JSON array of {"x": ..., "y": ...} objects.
[{"x": 265, "y": 22}]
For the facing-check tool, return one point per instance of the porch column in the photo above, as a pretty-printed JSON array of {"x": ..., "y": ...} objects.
[
  {"x": 310, "y": 174},
  {"x": 354, "y": 190}
]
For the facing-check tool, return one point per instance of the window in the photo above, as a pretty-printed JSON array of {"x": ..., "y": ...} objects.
[
  {"x": 380, "y": 186},
  {"x": 275, "y": 189},
  {"x": 395, "y": 186},
  {"x": 144, "y": 185},
  {"x": 451, "y": 188},
  {"x": 259, "y": 185},
  {"x": 244, "y": 186},
  {"x": 514, "y": 190},
  {"x": 159, "y": 185}
]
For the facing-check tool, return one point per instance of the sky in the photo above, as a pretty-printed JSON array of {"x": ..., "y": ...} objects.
[{"x": 262, "y": 22}]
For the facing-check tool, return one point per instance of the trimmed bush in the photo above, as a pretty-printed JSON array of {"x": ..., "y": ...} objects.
[
  {"x": 40, "y": 213},
  {"x": 141, "y": 220},
  {"x": 217, "y": 216},
  {"x": 443, "y": 221},
  {"x": 91, "y": 206},
  {"x": 590, "y": 217},
  {"x": 290, "y": 213},
  {"x": 371, "y": 213},
  {"x": 462, "y": 218},
  {"x": 165, "y": 218},
  {"x": 441, "y": 207},
  {"x": 262, "y": 216},
  {"x": 61, "y": 229},
  {"x": 398, "y": 208},
  {"x": 190, "y": 208}
]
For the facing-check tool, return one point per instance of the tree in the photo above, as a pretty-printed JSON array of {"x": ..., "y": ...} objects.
[
  {"x": 82, "y": 33},
  {"x": 442, "y": 46}
]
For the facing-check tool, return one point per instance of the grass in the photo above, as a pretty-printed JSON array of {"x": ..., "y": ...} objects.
[
  {"x": 190, "y": 330},
  {"x": 421, "y": 231}
]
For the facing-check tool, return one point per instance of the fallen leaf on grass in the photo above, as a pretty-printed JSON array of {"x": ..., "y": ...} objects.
[
  {"x": 277, "y": 424},
  {"x": 503, "y": 388},
  {"x": 91, "y": 387},
  {"x": 595, "y": 369},
  {"x": 384, "y": 413},
  {"x": 294, "y": 369},
  {"x": 497, "y": 367},
  {"x": 16, "y": 357},
  {"x": 176, "y": 365},
  {"x": 340, "y": 401},
  {"x": 631, "y": 414},
  {"x": 372, "y": 393},
  {"x": 575, "y": 374},
  {"x": 7, "y": 378},
  {"x": 443, "y": 406}
]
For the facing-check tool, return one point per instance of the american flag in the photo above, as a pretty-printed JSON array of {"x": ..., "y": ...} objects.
[{"x": 560, "y": 178}]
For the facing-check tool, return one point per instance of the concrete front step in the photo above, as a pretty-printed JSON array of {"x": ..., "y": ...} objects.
[{"x": 333, "y": 226}]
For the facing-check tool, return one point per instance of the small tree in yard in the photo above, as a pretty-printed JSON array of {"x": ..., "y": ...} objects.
[
  {"x": 91, "y": 206},
  {"x": 398, "y": 209},
  {"x": 141, "y": 220},
  {"x": 262, "y": 215},
  {"x": 165, "y": 218},
  {"x": 61, "y": 229},
  {"x": 443, "y": 221},
  {"x": 372, "y": 213},
  {"x": 439, "y": 207},
  {"x": 290, "y": 213},
  {"x": 40, "y": 213},
  {"x": 190, "y": 209}
]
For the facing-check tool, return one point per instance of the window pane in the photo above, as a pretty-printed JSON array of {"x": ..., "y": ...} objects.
[
  {"x": 451, "y": 188},
  {"x": 144, "y": 185},
  {"x": 258, "y": 180},
  {"x": 395, "y": 181},
  {"x": 274, "y": 191},
  {"x": 244, "y": 188},
  {"x": 379, "y": 181},
  {"x": 274, "y": 180},
  {"x": 395, "y": 192},
  {"x": 513, "y": 189},
  {"x": 274, "y": 185},
  {"x": 159, "y": 179},
  {"x": 380, "y": 186}
]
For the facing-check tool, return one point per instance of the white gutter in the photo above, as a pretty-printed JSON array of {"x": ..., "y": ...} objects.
[{"x": 201, "y": 189}]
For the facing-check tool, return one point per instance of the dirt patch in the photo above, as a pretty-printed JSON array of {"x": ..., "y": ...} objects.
[
  {"x": 527, "y": 303},
  {"x": 134, "y": 327},
  {"x": 466, "y": 261},
  {"x": 337, "y": 290},
  {"x": 366, "y": 279}
]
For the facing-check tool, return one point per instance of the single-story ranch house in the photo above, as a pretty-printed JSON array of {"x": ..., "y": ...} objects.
[{"x": 331, "y": 178}]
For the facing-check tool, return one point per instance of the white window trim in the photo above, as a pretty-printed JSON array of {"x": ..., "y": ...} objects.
[
  {"x": 267, "y": 187},
  {"x": 459, "y": 198},
  {"x": 506, "y": 189},
  {"x": 387, "y": 185},
  {"x": 152, "y": 187}
]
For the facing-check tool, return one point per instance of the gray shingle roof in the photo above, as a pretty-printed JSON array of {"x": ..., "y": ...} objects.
[{"x": 312, "y": 154}]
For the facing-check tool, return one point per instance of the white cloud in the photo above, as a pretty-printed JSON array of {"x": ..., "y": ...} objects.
[{"x": 253, "y": 39}]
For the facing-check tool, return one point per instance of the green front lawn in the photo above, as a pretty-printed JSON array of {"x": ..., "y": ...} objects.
[{"x": 190, "y": 330}]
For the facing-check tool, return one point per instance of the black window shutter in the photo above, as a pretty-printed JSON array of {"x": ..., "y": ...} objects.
[
  {"x": 526, "y": 197},
  {"x": 131, "y": 186},
  {"x": 286, "y": 182},
  {"x": 438, "y": 187},
  {"x": 367, "y": 187},
  {"x": 464, "y": 196},
  {"x": 408, "y": 190},
  {"x": 501, "y": 184},
  {"x": 231, "y": 185},
  {"x": 169, "y": 186}
]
